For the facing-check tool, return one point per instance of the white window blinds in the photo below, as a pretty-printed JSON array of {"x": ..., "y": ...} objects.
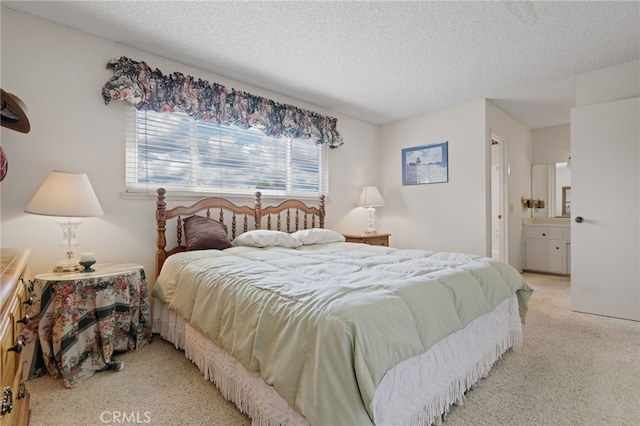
[{"x": 181, "y": 154}]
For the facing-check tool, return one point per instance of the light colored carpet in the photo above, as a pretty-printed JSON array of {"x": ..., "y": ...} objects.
[{"x": 574, "y": 369}]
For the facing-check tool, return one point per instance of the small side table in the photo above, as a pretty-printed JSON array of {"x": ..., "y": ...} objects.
[
  {"x": 371, "y": 239},
  {"x": 79, "y": 320}
]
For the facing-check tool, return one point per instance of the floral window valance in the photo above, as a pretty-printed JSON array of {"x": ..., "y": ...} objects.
[{"x": 147, "y": 89}]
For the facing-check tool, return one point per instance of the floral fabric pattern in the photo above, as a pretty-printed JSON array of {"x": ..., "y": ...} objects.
[
  {"x": 79, "y": 323},
  {"x": 147, "y": 89}
]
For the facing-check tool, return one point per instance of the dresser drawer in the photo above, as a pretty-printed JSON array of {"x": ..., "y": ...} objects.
[
  {"x": 378, "y": 241},
  {"x": 371, "y": 239},
  {"x": 552, "y": 234},
  {"x": 13, "y": 294}
]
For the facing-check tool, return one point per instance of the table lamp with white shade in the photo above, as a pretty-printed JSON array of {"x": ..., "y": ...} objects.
[
  {"x": 370, "y": 198},
  {"x": 68, "y": 195}
]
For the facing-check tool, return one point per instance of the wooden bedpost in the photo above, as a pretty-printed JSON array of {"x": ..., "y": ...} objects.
[
  {"x": 258, "y": 210},
  {"x": 161, "y": 221},
  {"x": 322, "y": 211}
]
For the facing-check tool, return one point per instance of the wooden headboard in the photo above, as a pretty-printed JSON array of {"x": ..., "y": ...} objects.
[{"x": 233, "y": 215}]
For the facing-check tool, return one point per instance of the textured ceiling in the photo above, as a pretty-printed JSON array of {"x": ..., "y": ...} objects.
[{"x": 378, "y": 61}]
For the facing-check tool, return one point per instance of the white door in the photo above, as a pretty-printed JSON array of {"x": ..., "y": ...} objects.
[{"x": 605, "y": 222}]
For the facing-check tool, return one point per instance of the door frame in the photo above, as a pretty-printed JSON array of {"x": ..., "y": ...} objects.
[{"x": 503, "y": 199}]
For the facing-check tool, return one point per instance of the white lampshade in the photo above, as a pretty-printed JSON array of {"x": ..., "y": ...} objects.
[
  {"x": 68, "y": 195},
  {"x": 65, "y": 194},
  {"x": 370, "y": 197}
]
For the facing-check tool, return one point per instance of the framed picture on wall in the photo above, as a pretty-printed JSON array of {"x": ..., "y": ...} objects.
[{"x": 425, "y": 164}]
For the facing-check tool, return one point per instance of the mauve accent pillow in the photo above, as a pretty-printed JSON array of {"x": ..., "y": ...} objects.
[{"x": 202, "y": 233}]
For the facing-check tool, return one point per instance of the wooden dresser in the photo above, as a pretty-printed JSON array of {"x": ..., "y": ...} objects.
[{"x": 14, "y": 298}]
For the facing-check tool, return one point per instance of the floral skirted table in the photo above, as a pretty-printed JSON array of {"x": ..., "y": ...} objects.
[{"x": 80, "y": 320}]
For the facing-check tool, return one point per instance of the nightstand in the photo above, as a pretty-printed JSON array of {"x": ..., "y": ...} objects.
[
  {"x": 87, "y": 317},
  {"x": 371, "y": 239}
]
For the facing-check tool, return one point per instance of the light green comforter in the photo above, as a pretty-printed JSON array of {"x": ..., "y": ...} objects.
[{"x": 323, "y": 323}]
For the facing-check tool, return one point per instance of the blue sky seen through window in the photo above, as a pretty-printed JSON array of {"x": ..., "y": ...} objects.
[{"x": 178, "y": 151}]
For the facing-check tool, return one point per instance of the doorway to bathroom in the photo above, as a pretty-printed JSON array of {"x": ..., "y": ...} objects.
[{"x": 499, "y": 209}]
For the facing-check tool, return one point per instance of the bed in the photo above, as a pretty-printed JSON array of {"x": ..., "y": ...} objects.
[{"x": 296, "y": 326}]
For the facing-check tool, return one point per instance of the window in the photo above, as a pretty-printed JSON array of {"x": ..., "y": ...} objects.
[{"x": 179, "y": 153}]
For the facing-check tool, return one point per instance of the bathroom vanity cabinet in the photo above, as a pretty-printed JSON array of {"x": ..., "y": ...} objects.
[{"x": 547, "y": 248}]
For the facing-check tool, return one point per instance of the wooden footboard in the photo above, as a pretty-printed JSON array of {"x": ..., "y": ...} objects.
[{"x": 288, "y": 216}]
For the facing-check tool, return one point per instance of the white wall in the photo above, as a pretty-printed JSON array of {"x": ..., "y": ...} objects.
[
  {"x": 441, "y": 216},
  {"x": 454, "y": 216},
  {"x": 59, "y": 74},
  {"x": 551, "y": 144},
  {"x": 608, "y": 84}
]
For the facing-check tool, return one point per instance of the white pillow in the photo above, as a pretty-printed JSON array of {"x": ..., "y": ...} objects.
[
  {"x": 266, "y": 238},
  {"x": 318, "y": 236}
]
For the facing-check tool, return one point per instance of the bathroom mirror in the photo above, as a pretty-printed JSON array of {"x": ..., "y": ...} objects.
[
  {"x": 547, "y": 183},
  {"x": 566, "y": 201}
]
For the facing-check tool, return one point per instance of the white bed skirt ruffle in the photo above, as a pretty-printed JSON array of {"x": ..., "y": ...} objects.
[{"x": 418, "y": 391}]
